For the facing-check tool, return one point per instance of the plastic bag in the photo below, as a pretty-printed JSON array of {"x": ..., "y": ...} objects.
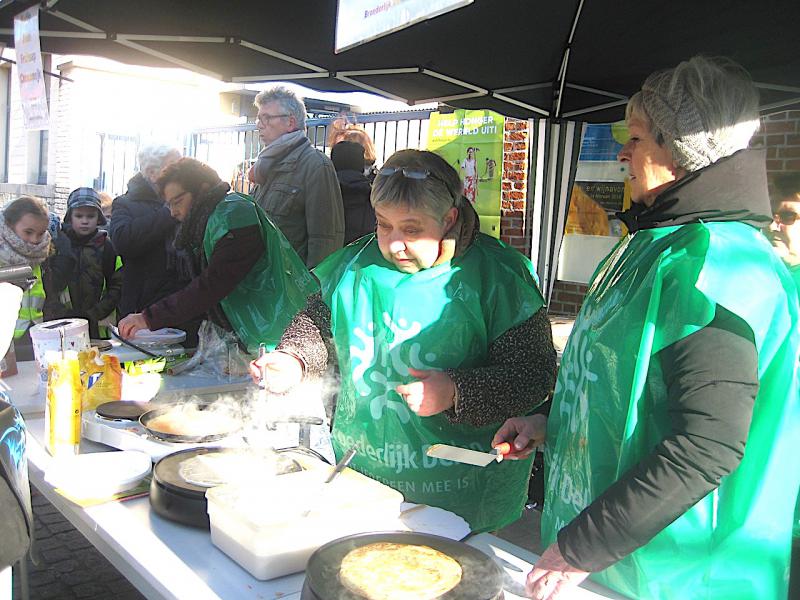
[
  {"x": 101, "y": 378},
  {"x": 218, "y": 355}
]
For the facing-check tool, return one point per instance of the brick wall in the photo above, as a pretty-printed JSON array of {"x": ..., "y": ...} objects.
[
  {"x": 567, "y": 298},
  {"x": 515, "y": 173},
  {"x": 780, "y": 135}
]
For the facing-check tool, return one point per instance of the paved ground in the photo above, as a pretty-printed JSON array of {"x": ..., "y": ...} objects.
[{"x": 71, "y": 568}]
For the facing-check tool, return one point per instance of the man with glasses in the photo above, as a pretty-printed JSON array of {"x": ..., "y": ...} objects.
[
  {"x": 297, "y": 185},
  {"x": 784, "y": 231}
]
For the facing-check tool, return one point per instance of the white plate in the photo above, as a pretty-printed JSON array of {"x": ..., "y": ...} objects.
[
  {"x": 160, "y": 337},
  {"x": 100, "y": 474}
]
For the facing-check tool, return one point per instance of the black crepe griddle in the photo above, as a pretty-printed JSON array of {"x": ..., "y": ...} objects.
[
  {"x": 174, "y": 498},
  {"x": 481, "y": 578},
  {"x": 122, "y": 410}
]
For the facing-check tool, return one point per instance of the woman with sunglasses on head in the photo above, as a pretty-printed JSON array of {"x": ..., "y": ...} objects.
[
  {"x": 439, "y": 333},
  {"x": 248, "y": 279}
]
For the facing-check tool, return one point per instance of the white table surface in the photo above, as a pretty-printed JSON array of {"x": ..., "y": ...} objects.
[{"x": 166, "y": 560}]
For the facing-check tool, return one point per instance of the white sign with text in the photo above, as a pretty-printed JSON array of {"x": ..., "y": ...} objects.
[
  {"x": 29, "y": 67},
  {"x": 359, "y": 21}
]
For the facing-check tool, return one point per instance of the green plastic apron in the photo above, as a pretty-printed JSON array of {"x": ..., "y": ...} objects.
[
  {"x": 385, "y": 321},
  {"x": 609, "y": 409},
  {"x": 275, "y": 289}
]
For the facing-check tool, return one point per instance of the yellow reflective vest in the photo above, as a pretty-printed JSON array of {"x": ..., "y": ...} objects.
[{"x": 30, "y": 311}]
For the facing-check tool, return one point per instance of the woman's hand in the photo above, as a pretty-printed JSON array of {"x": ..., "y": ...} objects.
[
  {"x": 552, "y": 577},
  {"x": 523, "y": 433},
  {"x": 433, "y": 393},
  {"x": 131, "y": 324},
  {"x": 281, "y": 371}
]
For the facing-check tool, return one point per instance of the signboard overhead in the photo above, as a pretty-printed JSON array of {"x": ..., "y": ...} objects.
[{"x": 359, "y": 21}]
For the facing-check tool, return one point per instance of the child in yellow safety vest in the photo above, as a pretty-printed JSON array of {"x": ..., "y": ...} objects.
[{"x": 25, "y": 240}]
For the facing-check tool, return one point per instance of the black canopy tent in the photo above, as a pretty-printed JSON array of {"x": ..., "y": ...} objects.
[{"x": 561, "y": 62}]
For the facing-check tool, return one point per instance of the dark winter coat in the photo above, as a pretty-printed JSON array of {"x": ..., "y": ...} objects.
[
  {"x": 359, "y": 216},
  {"x": 143, "y": 232},
  {"x": 81, "y": 279}
]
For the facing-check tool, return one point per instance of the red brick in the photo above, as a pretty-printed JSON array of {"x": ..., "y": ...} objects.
[
  {"x": 781, "y": 116},
  {"x": 517, "y": 136},
  {"x": 788, "y": 152},
  {"x": 791, "y": 165},
  {"x": 776, "y": 139},
  {"x": 793, "y": 114},
  {"x": 507, "y": 185},
  {"x": 518, "y": 203},
  {"x": 779, "y": 127},
  {"x": 793, "y": 140},
  {"x": 772, "y": 152},
  {"x": 774, "y": 165},
  {"x": 507, "y": 166},
  {"x": 519, "y": 156},
  {"x": 519, "y": 185},
  {"x": 510, "y": 125},
  {"x": 516, "y": 175},
  {"x": 519, "y": 145}
]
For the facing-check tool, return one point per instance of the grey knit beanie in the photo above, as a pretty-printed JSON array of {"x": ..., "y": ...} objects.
[{"x": 676, "y": 116}]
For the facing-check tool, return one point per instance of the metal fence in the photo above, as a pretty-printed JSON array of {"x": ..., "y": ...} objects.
[
  {"x": 117, "y": 162},
  {"x": 232, "y": 150}
]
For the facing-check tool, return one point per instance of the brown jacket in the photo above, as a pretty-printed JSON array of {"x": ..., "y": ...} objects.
[{"x": 301, "y": 195}]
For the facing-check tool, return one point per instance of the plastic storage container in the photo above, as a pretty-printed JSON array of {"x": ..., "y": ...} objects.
[
  {"x": 46, "y": 340},
  {"x": 267, "y": 531}
]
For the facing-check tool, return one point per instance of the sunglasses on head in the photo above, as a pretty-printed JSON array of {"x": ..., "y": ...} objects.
[
  {"x": 409, "y": 173},
  {"x": 787, "y": 217}
]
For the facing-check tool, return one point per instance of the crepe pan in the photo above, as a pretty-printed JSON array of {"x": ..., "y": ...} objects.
[
  {"x": 482, "y": 578},
  {"x": 176, "y": 499},
  {"x": 122, "y": 410},
  {"x": 148, "y": 417}
]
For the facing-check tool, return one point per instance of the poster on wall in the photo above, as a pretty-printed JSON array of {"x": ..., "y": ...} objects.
[
  {"x": 600, "y": 188},
  {"x": 600, "y": 191},
  {"x": 29, "y": 68},
  {"x": 359, "y": 21},
  {"x": 472, "y": 142}
]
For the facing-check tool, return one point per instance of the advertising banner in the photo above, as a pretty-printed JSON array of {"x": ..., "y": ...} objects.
[
  {"x": 359, "y": 21},
  {"x": 29, "y": 67},
  {"x": 472, "y": 142},
  {"x": 601, "y": 190}
]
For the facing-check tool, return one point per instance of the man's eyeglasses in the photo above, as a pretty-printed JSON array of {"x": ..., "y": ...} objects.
[
  {"x": 172, "y": 203},
  {"x": 264, "y": 119},
  {"x": 787, "y": 217}
]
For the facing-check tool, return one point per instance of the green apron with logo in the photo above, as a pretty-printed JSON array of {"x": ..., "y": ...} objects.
[
  {"x": 275, "y": 289},
  {"x": 609, "y": 409},
  {"x": 385, "y": 321}
]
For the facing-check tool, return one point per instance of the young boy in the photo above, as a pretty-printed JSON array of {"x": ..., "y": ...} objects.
[{"x": 81, "y": 279}]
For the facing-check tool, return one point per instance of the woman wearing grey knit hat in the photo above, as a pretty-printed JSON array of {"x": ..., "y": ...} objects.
[{"x": 670, "y": 456}]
